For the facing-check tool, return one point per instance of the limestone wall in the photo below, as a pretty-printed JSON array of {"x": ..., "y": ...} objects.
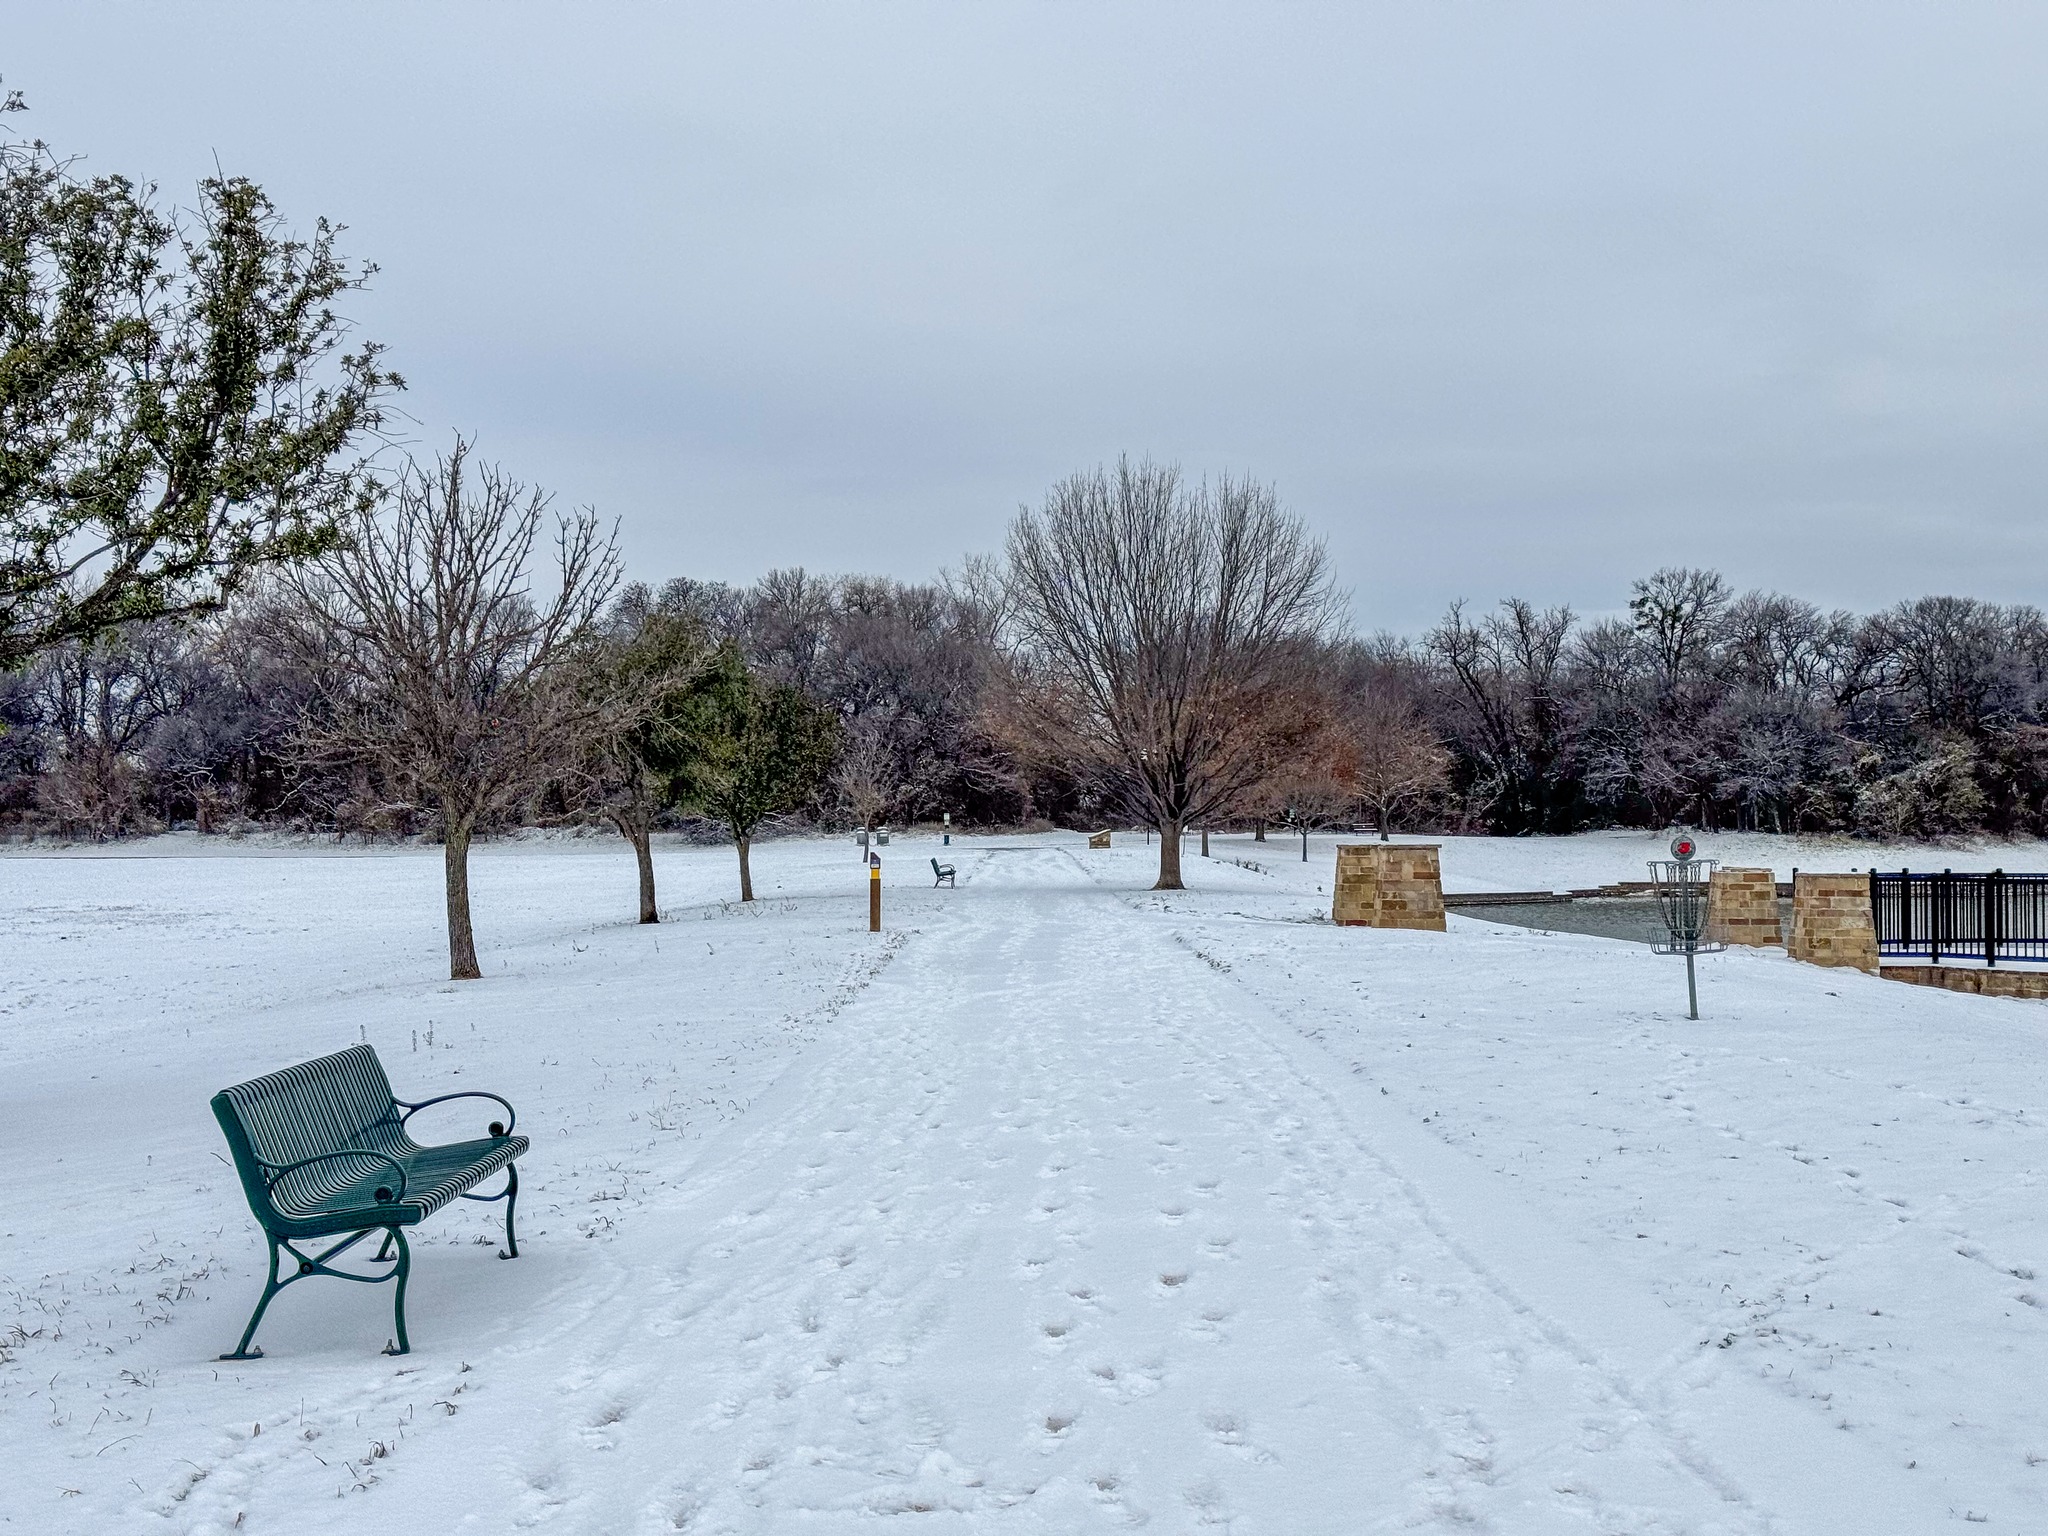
[
  {"x": 1742, "y": 908},
  {"x": 1098, "y": 839},
  {"x": 1388, "y": 885},
  {"x": 1958, "y": 978},
  {"x": 1831, "y": 922}
]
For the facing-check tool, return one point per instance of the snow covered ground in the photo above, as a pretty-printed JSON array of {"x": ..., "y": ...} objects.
[{"x": 1060, "y": 1206}]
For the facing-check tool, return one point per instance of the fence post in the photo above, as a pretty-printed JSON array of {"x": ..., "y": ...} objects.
[{"x": 1992, "y": 892}]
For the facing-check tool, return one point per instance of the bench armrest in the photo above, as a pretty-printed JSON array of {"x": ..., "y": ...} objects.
[
  {"x": 511, "y": 1115},
  {"x": 277, "y": 1173}
]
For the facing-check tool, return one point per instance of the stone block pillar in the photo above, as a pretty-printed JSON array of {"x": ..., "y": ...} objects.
[
  {"x": 1098, "y": 839},
  {"x": 1742, "y": 908},
  {"x": 1831, "y": 921},
  {"x": 1388, "y": 885}
]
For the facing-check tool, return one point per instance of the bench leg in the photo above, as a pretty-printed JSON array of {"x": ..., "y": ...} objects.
[
  {"x": 384, "y": 1254},
  {"x": 511, "y": 1204},
  {"x": 310, "y": 1264},
  {"x": 510, "y": 1195},
  {"x": 404, "y": 1345},
  {"x": 271, "y": 1286}
]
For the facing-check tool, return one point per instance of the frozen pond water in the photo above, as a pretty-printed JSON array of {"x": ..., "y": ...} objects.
[
  {"x": 1617, "y": 917},
  {"x": 1602, "y": 917}
]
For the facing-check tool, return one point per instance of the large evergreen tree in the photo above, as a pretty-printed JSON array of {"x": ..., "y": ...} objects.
[
  {"x": 756, "y": 749},
  {"x": 656, "y": 656},
  {"x": 178, "y": 406}
]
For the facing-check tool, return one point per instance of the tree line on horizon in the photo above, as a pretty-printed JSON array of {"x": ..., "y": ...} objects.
[
  {"x": 229, "y": 598},
  {"x": 1748, "y": 711}
]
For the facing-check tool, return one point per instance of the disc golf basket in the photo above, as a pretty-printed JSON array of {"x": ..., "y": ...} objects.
[{"x": 1681, "y": 883}]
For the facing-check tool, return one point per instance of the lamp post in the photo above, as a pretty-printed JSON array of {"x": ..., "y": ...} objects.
[{"x": 874, "y": 892}]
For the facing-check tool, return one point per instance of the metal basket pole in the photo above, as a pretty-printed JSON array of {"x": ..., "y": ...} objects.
[{"x": 1682, "y": 885}]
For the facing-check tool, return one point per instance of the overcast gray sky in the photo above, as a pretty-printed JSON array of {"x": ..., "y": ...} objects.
[{"x": 1523, "y": 298}]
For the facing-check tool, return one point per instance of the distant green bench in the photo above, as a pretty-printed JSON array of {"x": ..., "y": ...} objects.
[
  {"x": 942, "y": 874},
  {"x": 322, "y": 1150}
]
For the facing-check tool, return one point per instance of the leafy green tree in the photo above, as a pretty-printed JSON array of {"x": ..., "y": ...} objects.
[
  {"x": 756, "y": 749},
  {"x": 177, "y": 404},
  {"x": 657, "y": 656}
]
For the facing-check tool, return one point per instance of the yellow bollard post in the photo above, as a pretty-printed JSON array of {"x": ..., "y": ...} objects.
[{"x": 874, "y": 895}]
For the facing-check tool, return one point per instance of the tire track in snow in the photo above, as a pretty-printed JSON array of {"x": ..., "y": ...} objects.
[
  {"x": 1786, "y": 1300},
  {"x": 1467, "y": 1450},
  {"x": 1606, "y": 1408}
]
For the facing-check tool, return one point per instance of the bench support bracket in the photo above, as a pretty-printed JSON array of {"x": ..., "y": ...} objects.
[{"x": 306, "y": 1265}]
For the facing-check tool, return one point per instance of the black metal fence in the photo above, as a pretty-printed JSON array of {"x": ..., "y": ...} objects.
[{"x": 1987, "y": 918}]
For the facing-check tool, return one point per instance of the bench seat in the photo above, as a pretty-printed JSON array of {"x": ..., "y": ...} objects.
[{"x": 433, "y": 1177}]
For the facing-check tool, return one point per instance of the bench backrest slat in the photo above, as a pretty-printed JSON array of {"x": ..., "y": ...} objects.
[{"x": 331, "y": 1104}]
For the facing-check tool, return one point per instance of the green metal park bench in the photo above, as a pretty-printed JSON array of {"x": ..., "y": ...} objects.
[
  {"x": 322, "y": 1151},
  {"x": 942, "y": 874}
]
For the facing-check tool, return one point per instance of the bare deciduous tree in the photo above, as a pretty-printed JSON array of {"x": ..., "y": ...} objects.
[
  {"x": 865, "y": 776},
  {"x": 1505, "y": 676},
  {"x": 1395, "y": 759},
  {"x": 102, "y": 704},
  {"x": 1314, "y": 792},
  {"x": 451, "y": 676},
  {"x": 1158, "y": 639},
  {"x": 1677, "y": 612}
]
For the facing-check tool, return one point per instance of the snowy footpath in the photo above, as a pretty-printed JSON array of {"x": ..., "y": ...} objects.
[{"x": 1060, "y": 1206}]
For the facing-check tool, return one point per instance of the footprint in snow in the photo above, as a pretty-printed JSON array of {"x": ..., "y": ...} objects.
[
  {"x": 1107, "y": 1488},
  {"x": 1228, "y": 1430},
  {"x": 1207, "y": 1500}
]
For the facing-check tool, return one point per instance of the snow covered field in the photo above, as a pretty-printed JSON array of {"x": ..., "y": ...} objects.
[{"x": 1060, "y": 1206}]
